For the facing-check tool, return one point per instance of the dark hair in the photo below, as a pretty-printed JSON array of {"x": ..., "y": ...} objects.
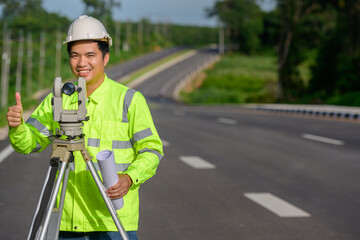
[{"x": 102, "y": 45}]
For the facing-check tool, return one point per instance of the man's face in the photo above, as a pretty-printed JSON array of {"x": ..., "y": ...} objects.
[{"x": 87, "y": 61}]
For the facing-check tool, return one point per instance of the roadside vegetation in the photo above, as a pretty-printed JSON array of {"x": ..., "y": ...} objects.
[
  {"x": 235, "y": 79},
  {"x": 316, "y": 44}
]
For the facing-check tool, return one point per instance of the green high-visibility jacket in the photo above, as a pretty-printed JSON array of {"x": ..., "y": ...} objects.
[{"x": 120, "y": 120}]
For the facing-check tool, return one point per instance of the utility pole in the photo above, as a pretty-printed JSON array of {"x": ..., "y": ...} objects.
[
  {"x": 4, "y": 90},
  {"x": 157, "y": 32},
  {"x": 140, "y": 33},
  {"x": 5, "y": 68},
  {"x": 58, "y": 54},
  {"x": 128, "y": 36},
  {"x": 164, "y": 30},
  {"x": 117, "y": 38},
  {"x": 42, "y": 60},
  {"x": 19, "y": 61},
  {"x": 221, "y": 39},
  {"x": 29, "y": 65},
  {"x": 147, "y": 37}
]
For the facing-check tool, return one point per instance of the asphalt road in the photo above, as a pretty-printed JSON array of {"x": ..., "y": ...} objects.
[
  {"x": 118, "y": 71},
  {"x": 310, "y": 163},
  {"x": 255, "y": 153},
  {"x": 216, "y": 158}
]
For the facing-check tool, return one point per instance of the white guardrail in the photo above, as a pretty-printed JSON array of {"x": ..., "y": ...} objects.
[
  {"x": 190, "y": 75},
  {"x": 313, "y": 110}
]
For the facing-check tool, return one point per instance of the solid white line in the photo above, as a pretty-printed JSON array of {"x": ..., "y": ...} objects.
[
  {"x": 160, "y": 68},
  {"x": 322, "y": 139},
  {"x": 276, "y": 205},
  {"x": 6, "y": 152},
  {"x": 227, "y": 121},
  {"x": 197, "y": 162}
]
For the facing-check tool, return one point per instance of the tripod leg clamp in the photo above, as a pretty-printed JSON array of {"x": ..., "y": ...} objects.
[{"x": 86, "y": 155}]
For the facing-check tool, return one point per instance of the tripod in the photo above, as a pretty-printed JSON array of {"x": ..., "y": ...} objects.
[{"x": 47, "y": 218}]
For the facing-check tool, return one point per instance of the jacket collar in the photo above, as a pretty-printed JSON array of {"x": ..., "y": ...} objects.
[{"x": 99, "y": 93}]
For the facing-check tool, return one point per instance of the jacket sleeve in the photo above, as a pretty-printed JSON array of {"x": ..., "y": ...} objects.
[
  {"x": 145, "y": 141},
  {"x": 35, "y": 134}
]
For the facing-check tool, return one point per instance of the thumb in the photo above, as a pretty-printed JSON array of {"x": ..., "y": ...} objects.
[{"x": 18, "y": 99}]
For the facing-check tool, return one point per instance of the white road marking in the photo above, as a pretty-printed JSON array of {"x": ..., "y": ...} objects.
[
  {"x": 165, "y": 143},
  {"x": 322, "y": 139},
  {"x": 160, "y": 68},
  {"x": 227, "y": 121},
  {"x": 276, "y": 205},
  {"x": 197, "y": 162},
  {"x": 6, "y": 152}
]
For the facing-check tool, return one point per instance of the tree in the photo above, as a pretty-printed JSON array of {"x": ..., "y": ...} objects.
[
  {"x": 12, "y": 8},
  {"x": 243, "y": 19},
  {"x": 101, "y": 8},
  {"x": 29, "y": 15},
  {"x": 270, "y": 35},
  {"x": 295, "y": 15},
  {"x": 337, "y": 70}
]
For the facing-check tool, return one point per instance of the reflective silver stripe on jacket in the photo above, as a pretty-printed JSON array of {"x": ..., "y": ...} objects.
[
  {"x": 119, "y": 167},
  {"x": 93, "y": 142},
  {"x": 38, "y": 147},
  {"x": 39, "y": 126},
  {"x": 127, "y": 100},
  {"x": 141, "y": 135},
  {"x": 160, "y": 156},
  {"x": 121, "y": 144}
]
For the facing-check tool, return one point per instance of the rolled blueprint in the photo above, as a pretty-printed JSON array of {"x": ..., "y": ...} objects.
[{"x": 107, "y": 167}]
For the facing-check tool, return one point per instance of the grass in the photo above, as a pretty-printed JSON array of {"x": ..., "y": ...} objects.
[
  {"x": 237, "y": 79},
  {"x": 347, "y": 99}
]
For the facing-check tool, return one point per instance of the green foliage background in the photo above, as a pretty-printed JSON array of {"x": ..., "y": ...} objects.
[{"x": 303, "y": 51}]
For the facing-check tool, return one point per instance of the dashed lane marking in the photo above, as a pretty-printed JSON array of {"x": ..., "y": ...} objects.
[
  {"x": 227, "y": 121},
  {"x": 322, "y": 139},
  {"x": 276, "y": 205},
  {"x": 165, "y": 143},
  {"x": 6, "y": 152},
  {"x": 197, "y": 162}
]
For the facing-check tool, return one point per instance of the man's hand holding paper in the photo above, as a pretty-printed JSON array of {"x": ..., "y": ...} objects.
[{"x": 121, "y": 188}]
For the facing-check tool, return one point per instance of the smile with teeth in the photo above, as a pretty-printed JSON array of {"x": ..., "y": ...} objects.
[{"x": 83, "y": 71}]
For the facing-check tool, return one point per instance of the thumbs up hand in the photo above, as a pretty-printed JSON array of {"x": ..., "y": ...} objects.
[{"x": 14, "y": 114}]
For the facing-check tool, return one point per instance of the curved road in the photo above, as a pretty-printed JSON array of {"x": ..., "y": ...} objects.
[{"x": 228, "y": 173}]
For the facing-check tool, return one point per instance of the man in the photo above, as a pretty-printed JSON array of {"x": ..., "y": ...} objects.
[{"x": 120, "y": 120}]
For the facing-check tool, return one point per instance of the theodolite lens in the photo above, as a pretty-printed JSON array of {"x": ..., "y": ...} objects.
[{"x": 68, "y": 88}]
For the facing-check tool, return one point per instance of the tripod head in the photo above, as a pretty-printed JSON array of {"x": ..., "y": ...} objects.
[{"x": 70, "y": 121}]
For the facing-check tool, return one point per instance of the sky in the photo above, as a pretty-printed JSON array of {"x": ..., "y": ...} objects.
[{"x": 184, "y": 12}]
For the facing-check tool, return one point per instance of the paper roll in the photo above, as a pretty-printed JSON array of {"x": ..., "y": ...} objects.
[{"x": 107, "y": 167}]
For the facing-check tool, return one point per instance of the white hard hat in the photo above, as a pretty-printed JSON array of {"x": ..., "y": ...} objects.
[{"x": 87, "y": 28}]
